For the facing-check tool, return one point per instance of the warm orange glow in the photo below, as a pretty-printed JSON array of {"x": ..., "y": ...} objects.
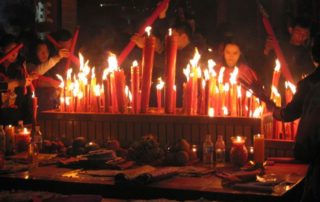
[
  {"x": 221, "y": 73},
  {"x": 160, "y": 84},
  {"x": 148, "y": 30},
  {"x": 211, "y": 112},
  {"x": 234, "y": 76},
  {"x": 278, "y": 66},
  {"x": 170, "y": 31},
  {"x": 291, "y": 86}
]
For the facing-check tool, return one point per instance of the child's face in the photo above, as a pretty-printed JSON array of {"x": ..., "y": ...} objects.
[
  {"x": 42, "y": 53},
  {"x": 12, "y": 57}
]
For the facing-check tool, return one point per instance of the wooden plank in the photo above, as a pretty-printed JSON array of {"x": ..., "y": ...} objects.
[
  {"x": 69, "y": 130},
  {"x": 49, "y": 129},
  {"x": 170, "y": 139},
  {"x": 187, "y": 132},
  {"x": 162, "y": 134},
  {"x": 130, "y": 132},
  {"x": 122, "y": 133},
  {"x": 106, "y": 131},
  {"x": 137, "y": 131},
  {"x": 178, "y": 131},
  {"x": 195, "y": 134},
  {"x": 99, "y": 133},
  {"x": 83, "y": 129}
]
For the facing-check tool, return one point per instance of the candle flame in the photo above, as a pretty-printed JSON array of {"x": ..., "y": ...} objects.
[
  {"x": 257, "y": 112},
  {"x": 275, "y": 91},
  {"x": 234, "y": 75},
  {"x": 25, "y": 131},
  {"x": 160, "y": 84},
  {"x": 113, "y": 62},
  {"x": 239, "y": 91},
  {"x": 61, "y": 85},
  {"x": 221, "y": 73},
  {"x": 97, "y": 91},
  {"x": 128, "y": 93},
  {"x": 69, "y": 72},
  {"x": 211, "y": 112},
  {"x": 278, "y": 66},
  {"x": 105, "y": 74},
  {"x": 203, "y": 83},
  {"x": 206, "y": 74},
  {"x": 226, "y": 87},
  {"x": 291, "y": 86},
  {"x": 33, "y": 94},
  {"x": 194, "y": 61},
  {"x": 68, "y": 101},
  {"x": 186, "y": 72},
  {"x": 148, "y": 30},
  {"x": 225, "y": 110},
  {"x": 170, "y": 31},
  {"x": 135, "y": 63},
  {"x": 249, "y": 93}
]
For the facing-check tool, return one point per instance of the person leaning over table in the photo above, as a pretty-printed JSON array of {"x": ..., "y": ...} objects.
[{"x": 293, "y": 110}]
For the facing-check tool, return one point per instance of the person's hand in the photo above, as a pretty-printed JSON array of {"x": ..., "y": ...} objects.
[
  {"x": 64, "y": 53},
  {"x": 138, "y": 40},
  {"x": 268, "y": 46}
]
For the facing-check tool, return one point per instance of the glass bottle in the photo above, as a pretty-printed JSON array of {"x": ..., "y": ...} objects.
[
  {"x": 37, "y": 138},
  {"x": 220, "y": 150},
  {"x": 33, "y": 154},
  {"x": 2, "y": 139},
  {"x": 207, "y": 150}
]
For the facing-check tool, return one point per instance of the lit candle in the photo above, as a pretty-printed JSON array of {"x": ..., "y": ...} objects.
[
  {"x": 238, "y": 152},
  {"x": 258, "y": 147},
  {"x": 159, "y": 93},
  {"x": 10, "y": 140},
  {"x": 34, "y": 108},
  {"x": 22, "y": 140},
  {"x": 147, "y": 66},
  {"x": 106, "y": 87},
  {"x": 170, "y": 73},
  {"x": 276, "y": 74},
  {"x": 135, "y": 85}
]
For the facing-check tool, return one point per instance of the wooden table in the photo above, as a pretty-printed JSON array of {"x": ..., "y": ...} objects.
[{"x": 66, "y": 181}]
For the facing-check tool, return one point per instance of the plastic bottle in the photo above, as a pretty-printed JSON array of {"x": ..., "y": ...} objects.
[
  {"x": 207, "y": 150},
  {"x": 37, "y": 138},
  {"x": 2, "y": 140},
  {"x": 220, "y": 150}
]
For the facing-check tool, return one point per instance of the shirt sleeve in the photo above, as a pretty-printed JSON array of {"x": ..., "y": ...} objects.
[
  {"x": 46, "y": 66},
  {"x": 293, "y": 109}
]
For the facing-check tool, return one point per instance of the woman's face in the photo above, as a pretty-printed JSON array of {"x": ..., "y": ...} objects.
[
  {"x": 231, "y": 54},
  {"x": 42, "y": 53},
  {"x": 12, "y": 57}
]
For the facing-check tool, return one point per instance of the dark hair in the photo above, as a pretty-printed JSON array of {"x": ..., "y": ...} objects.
[
  {"x": 231, "y": 40},
  {"x": 33, "y": 52},
  {"x": 183, "y": 28},
  {"x": 302, "y": 22},
  {"x": 7, "y": 40},
  {"x": 62, "y": 35}
]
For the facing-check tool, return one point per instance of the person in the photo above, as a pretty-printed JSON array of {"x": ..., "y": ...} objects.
[
  {"x": 293, "y": 109},
  {"x": 233, "y": 57},
  {"x": 40, "y": 63},
  {"x": 307, "y": 140},
  {"x": 14, "y": 101},
  {"x": 296, "y": 53}
]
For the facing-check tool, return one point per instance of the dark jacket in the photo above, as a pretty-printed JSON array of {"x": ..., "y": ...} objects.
[
  {"x": 15, "y": 106},
  {"x": 307, "y": 147},
  {"x": 293, "y": 110}
]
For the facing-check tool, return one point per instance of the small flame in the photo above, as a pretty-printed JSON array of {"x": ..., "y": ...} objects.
[
  {"x": 225, "y": 110},
  {"x": 291, "y": 86},
  {"x": 170, "y": 31},
  {"x": 209, "y": 49},
  {"x": 249, "y": 93},
  {"x": 148, "y": 30},
  {"x": 93, "y": 74},
  {"x": 239, "y": 91},
  {"x": 97, "y": 91},
  {"x": 113, "y": 62},
  {"x": 221, "y": 73},
  {"x": 278, "y": 66},
  {"x": 33, "y": 94},
  {"x": 275, "y": 91},
  {"x": 186, "y": 72},
  {"x": 206, "y": 74},
  {"x": 69, "y": 72},
  {"x": 203, "y": 84},
  {"x": 226, "y": 87},
  {"x": 135, "y": 63},
  {"x": 68, "y": 101},
  {"x": 211, "y": 112},
  {"x": 160, "y": 84},
  {"x": 61, "y": 79},
  {"x": 257, "y": 112},
  {"x": 128, "y": 93},
  {"x": 105, "y": 74},
  {"x": 194, "y": 61},
  {"x": 234, "y": 75},
  {"x": 174, "y": 88}
]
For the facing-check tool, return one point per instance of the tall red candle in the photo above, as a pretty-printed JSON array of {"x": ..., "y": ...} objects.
[
  {"x": 135, "y": 84},
  {"x": 170, "y": 72},
  {"x": 120, "y": 80},
  {"x": 34, "y": 108},
  {"x": 113, "y": 90},
  {"x": 106, "y": 88},
  {"x": 159, "y": 93},
  {"x": 147, "y": 66}
]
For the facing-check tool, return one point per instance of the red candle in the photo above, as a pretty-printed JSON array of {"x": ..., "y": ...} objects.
[
  {"x": 22, "y": 140},
  {"x": 135, "y": 82},
  {"x": 170, "y": 73},
  {"x": 120, "y": 80},
  {"x": 174, "y": 98},
  {"x": 106, "y": 88},
  {"x": 147, "y": 66},
  {"x": 203, "y": 98},
  {"x": 34, "y": 108}
]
